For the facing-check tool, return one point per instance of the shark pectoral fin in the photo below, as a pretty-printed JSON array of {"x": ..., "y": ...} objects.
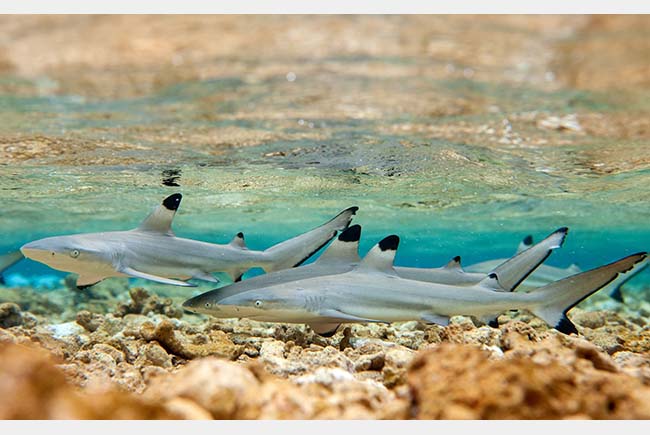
[
  {"x": 137, "y": 274},
  {"x": 345, "y": 317},
  {"x": 85, "y": 281},
  {"x": 324, "y": 329},
  {"x": 435, "y": 318},
  {"x": 205, "y": 276}
]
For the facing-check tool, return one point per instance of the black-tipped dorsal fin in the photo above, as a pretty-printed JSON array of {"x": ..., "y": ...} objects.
[
  {"x": 160, "y": 219},
  {"x": 380, "y": 258},
  {"x": 344, "y": 249},
  {"x": 454, "y": 264},
  {"x": 526, "y": 243},
  {"x": 238, "y": 241}
]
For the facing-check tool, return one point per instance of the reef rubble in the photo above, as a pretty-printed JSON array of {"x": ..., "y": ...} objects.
[{"x": 145, "y": 358}]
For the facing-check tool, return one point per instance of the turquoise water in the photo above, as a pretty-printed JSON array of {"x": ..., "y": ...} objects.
[{"x": 268, "y": 158}]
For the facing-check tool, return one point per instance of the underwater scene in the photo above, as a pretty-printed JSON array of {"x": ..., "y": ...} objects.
[{"x": 208, "y": 208}]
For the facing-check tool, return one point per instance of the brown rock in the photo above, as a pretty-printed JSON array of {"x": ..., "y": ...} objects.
[
  {"x": 10, "y": 315},
  {"x": 456, "y": 381},
  {"x": 215, "y": 343},
  {"x": 31, "y": 375}
]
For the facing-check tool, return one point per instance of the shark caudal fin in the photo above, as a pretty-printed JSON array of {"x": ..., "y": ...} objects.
[
  {"x": 616, "y": 285},
  {"x": 516, "y": 269},
  {"x": 8, "y": 260},
  {"x": 295, "y": 251},
  {"x": 553, "y": 301}
]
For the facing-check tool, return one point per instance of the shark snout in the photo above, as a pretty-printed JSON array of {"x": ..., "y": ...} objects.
[{"x": 36, "y": 250}]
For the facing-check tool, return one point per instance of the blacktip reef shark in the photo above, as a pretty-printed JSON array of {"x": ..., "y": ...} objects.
[
  {"x": 7, "y": 260},
  {"x": 152, "y": 251},
  {"x": 546, "y": 274},
  {"x": 373, "y": 292},
  {"x": 342, "y": 256}
]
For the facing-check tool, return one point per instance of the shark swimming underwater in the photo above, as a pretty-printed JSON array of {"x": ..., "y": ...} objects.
[
  {"x": 152, "y": 251},
  {"x": 7, "y": 260},
  {"x": 343, "y": 256},
  {"x": 373, "y": 292}
]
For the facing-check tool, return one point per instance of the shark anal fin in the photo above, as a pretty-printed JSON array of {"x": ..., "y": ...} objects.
[
  {"x": 435, "y": 318},
  {"x": 239, "y": 278},
  {"x": 324, "y": 329},
  {"x": 137, "y": 274}
]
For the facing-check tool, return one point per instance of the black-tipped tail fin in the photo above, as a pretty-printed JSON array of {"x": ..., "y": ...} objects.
[
  {"x": 553, "y": 301},
  {"x": 297, "y": 250}
]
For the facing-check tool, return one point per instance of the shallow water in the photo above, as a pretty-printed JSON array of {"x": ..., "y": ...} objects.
[
  {"x": 460, "y": 134},
  {"x": 457, "y": 155}
]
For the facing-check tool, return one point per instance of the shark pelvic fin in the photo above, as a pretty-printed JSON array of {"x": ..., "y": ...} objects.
[
  {"x": 454, "y": 264},
  {"x": 380, "y": 258},
  {"x": 435, "y": 318},
  {"x": 325, "y": 329},
  {"x": 345, "y": 248},
  {"x": 160, "y": 219},
  {"x": 137, "y": 274},
  {"x": 238, "y": 241}
]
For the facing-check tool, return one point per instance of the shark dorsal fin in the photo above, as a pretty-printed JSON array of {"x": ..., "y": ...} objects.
[
  {"x": 380, "y": 258},
  {"x": 238, "y": 241},
  {"x": 454, "y": 264},
  {"x": 526, "y": 243},
  {"x": 160, "y": 219},
  {"x": 345, "y": 248},
  {"x": 491, "y": 282}
]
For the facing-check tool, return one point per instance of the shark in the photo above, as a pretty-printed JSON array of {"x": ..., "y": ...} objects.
[
  {"x": 7, "y": 260},
  {"x": 546, "y": 274},
  {"x": 153, "y": 252},
  {"x": 374, "y": 292},
  {"x": 342, "y": 255}
]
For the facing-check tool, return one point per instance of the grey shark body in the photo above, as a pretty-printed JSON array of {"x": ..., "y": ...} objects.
[
  {"x": 343, "y": 256},
  {"x": 7, "y": 260},
  {"x": 153, "y": 252},
  {"x": 373, "y": 292}
]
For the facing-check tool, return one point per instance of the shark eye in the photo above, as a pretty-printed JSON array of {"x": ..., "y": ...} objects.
[
  {"x": 207, "y": 305},
  {"x": 258, "y": 303},
  {"x": 74, "y": 253}
]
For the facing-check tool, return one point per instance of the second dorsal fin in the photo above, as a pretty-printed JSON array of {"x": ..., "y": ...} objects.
[
  {"x": 345, "y": 248},
  {"x": 160, "y": 219},
  {"x": 491, "y": 282},
  {"x": 454, "y": 264},
  {"x": 380, "y": 258},
  {"x": 238, "y": 241},
  {"x": 526, "y": 243}
]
